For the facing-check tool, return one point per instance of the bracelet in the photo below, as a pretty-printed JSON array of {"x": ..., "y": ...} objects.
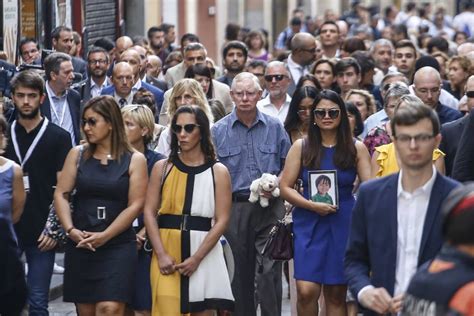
[{"x": 70, "y": 230}]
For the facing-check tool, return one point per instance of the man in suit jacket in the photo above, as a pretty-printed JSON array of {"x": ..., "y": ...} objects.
[
  {"x": 62, "y": 42},
  {"x": 396, "y": 223},
  {"x": 97, "y": 65},
  {"x": 303, "y": 48},
  {"x": 62, "y": 105},
  {"x": 193, "y": 53},
  {"x": 452, "y": 131}
]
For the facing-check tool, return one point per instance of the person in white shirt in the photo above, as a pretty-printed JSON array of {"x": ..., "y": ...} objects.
[
  {"x": 396, "y": 225},
  {"x": 277, "y": 81},
  {"x": 97, "y": 64}
]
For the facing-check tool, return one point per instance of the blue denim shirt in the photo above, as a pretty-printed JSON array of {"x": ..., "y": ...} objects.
[{"x": 249, "y": 152}]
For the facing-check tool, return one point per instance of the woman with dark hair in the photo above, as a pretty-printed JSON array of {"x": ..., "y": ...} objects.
[
  {"x": 110, "y": 184},
  {"x": 202, "y": 74},
  {"x": 308, "y": 80},
  {"x": 321, "y": 230},
  {"x": 299, "y": 112},
  {"x": 355, "y": 120},
  {"x": 350, "y": 45},
  {"x": 324, "y": 71},
  {"x": 192, "y": 193}
]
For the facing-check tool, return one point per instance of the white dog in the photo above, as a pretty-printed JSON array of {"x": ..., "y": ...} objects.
[{"x": 267, "y": 182}]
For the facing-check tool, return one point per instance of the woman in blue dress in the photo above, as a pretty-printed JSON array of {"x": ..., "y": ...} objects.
[{"x": 321, "y": 230}]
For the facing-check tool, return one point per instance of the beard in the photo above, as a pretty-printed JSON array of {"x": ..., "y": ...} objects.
[{"x": 29, "y": 116}]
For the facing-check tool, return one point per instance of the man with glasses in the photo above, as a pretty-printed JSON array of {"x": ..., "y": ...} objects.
[
  {"x": 97, "y": 65},
  {"x": 277, "y": 81},
  {"x": 303, "y": 50},
  {"x": 452, "y": 131},
  {"x": 427, "y": 85},
  {"x": 250, "y": 143},
  {"x": 396, "y": 223}
]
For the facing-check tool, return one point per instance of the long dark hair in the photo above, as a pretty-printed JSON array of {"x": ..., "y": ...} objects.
[
  {"x": 201, "y": 70},
  {"x": 345, "y": 155},
  {"x": 293, "y": 119},
  {"x": 202, "y": 120},
  {"x": 359, "y": 124},
  {"x": 107, "y": 107}
]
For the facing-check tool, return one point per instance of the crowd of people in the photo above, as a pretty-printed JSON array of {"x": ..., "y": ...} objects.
[{"x": 138, "y": 161}]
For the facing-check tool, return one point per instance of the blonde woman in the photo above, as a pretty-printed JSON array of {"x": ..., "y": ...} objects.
[
  {"x": 363, "y": 100},
  {"x": 185, "y": 92},
  {"x": 139, "y": 125}
]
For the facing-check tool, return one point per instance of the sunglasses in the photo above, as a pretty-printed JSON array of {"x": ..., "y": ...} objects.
[
  {"x": 269, "y": 78},
  {"x": 470, "y": 94},
  {"x": 90, "y": 121},
  {"x": 321, "y": 113},
  {"x": 188, "y": 128}
]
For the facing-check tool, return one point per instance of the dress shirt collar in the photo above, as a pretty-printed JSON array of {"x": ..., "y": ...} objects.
[
  {"x": 137, "y": 86},
  {"x": 267, "y": 102},
  {"x": 424, "y": 189},
  {"x": 51, "y": 93},
  {"x": 105, "y": 84}
]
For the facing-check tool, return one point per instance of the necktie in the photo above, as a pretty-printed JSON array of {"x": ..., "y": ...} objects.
[{"x": 122, "y": 102}]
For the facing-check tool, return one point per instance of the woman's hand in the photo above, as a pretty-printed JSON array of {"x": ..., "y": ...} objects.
[
  {"x": 188, "y": 266},
  {"x": 323, "y": 209},
  {"x": 166, "y": 264},
  {"x": 140, "y": 241},
  {"x": 92, "y": 240}
]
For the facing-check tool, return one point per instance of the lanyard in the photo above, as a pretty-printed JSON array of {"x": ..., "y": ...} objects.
[
  {"x": 33, "y": 144},
  {"x": 53, "y": 107}
]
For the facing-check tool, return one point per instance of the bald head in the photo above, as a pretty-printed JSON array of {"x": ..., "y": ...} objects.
[
  {"x": 465, "y": 48},
  {"x": 121, "y": 44},
  {"x": 303, "y": 48},
  {"x": 132, "y": 57},
  {"x": 153, "y": 66},
  {"x": 123, "y": 79},
  {"x": 427, "y": 85},
  {"x": 301, "y": 40}
]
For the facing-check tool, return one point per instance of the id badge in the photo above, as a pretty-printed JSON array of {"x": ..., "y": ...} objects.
[{"x": 26, "y": 183}]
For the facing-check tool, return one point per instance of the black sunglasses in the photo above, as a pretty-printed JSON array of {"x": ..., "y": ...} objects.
[
  {"x": 269, "y": 78},
  {"x": 321, "y": 113},
  {"x": 90, "y": 121},
  {"x": 470, "y": 94},
  {"x": 188, "y": 128}
]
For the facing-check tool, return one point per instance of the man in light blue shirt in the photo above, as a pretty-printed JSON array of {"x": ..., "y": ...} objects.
[{"x": 250, "y": 143}]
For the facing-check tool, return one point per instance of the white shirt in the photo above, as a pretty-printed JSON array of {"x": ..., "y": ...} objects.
[
  {"x": 129, "y": 99},
  {"x": 60, "y": 112},
  {"x": 265, "y": 106},
  {"x": 296, "y": 70},
  {"x": 137, "y": 86},
  {"x": 411, "y": 214},
  {"x": 96, "y": 89}
]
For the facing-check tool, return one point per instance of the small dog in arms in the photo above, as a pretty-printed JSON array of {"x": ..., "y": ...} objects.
[{"x": 267, "y": 182}]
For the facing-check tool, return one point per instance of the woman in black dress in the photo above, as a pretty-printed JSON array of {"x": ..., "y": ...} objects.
[{"x": 110, "y": 185}]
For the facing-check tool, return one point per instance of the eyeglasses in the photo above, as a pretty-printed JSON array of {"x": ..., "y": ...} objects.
[
  {"x": 90, "y": 121},
  {"x": 305, "y": 111},
  {"x": 321, "y": 113},
  {"x": 188, "y": 128},
  {"x": 98, "y": 61},
  {"x": 269, "y": 78},
  {"x": 470, "y": 94},
  {"x": 419, "y": 139},
  {"x": 241, "y": 94},
  {"x": 309, "y": 50}
]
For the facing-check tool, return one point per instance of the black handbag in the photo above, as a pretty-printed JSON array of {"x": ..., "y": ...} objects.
[
  {"x": 53, "y": 228},
  {"x": 279, "y": 245}
]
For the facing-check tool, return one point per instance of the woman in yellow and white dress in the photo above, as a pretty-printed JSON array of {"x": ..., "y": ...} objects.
[{"x": 192, "y": 193}]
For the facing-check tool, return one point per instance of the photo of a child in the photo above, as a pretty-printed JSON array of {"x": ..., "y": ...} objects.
[{"x": 323, "y": 184}]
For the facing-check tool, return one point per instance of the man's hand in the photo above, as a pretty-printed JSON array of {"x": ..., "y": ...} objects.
[
  {"x": 46, "y": 243},
  {"x": 397, "y": 303},
  {"x": 376, "y": 299}
]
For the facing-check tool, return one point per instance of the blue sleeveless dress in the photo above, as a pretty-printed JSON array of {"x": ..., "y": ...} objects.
[{"x": 320, "y": 241}]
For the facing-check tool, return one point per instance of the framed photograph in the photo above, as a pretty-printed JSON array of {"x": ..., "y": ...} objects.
[{"x": 323, "y": 186}]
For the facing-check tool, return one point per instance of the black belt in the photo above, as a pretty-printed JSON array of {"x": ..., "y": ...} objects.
[
  {"x": 240, "y": 197},
  {"x": 184, "y": 222}
]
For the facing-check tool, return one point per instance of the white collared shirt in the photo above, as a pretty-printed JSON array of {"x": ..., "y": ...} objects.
[
  {"x": 411, "y": 214},
  {"x": 265, "y": 106},
  {"x": 296, "y": 70},
  {"x": 96, "y": 89},
  {"x": 137, "y": 86},
  {"x": 60, "y": 112},
  {"x": 129, "y": 98}
]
